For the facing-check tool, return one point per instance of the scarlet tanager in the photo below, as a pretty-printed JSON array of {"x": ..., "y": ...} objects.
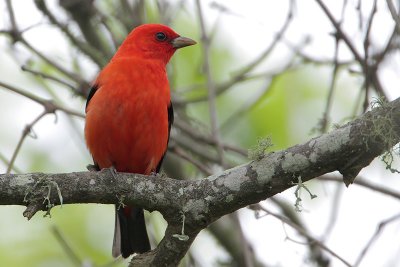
[{"x": 129, "y": 117}]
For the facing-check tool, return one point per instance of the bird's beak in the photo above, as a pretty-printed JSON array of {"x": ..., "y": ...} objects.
[{"x": 180, "y": 42}]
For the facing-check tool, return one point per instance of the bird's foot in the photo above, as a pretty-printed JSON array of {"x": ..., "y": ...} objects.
[
  {"x": 113, "y": 171},
  {"x": 92, "y": 167},
  {"x": 158, "y": 174}
]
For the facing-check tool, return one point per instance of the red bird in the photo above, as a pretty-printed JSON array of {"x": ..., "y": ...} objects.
[{"x": 129, "y": 116}]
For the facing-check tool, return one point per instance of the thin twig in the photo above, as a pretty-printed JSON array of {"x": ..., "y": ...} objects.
[
  {"x": 249, "y": 257},
  {"x": 329, "y": 100},
  {"x": 303, "y": 233},
  {"x": 182, "y": 154},
  {"x": 27, "y": 130},
  {"x": 47, "y": 104},
  {"x": 50, "y": 77},
  {"x": 271, "y": 80},
  {"x": 88, "y": 50},
  {"x": 72, "y": 75},
  {"x": 244, "y": 110},
  {"x": 374, "y": 237},
  {"x": 333, "y": 212},
  {"x": 72, "y": 255},
  {"x": 210, "y": 85},
  {"x": 367, "y": 68},
  {"x": 360, "y": 15},
  {"x": 196, "y": 135},
  {"x": 286, "y": 210},
  {"x": 392, "y": 10},
  {"x": 340, "y": 32},
  {"x": 347, "y": 40},
  {"x": 242, "y": 74},
  {"x": 6, "y": 162},
  {"x": 298, "y": 51},
  {"x": 85, "y": 16},
  {"x": 16, "y": 35},
  {"x": 106, "y": 22},
  {"x": 12, "y": 15},
  {"x": 325, "y": 119},
  {"x": 363, "y": 182},
  {"x": 197, "y": 149}
]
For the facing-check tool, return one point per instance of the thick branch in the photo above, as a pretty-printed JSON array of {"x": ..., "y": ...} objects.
[{"x": 347, "y": 149}]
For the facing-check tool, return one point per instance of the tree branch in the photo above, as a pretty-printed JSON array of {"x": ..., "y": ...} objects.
[{"x": 198, "y": 203}]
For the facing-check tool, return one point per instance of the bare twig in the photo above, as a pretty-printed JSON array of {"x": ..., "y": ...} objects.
[
  {"x": 367, "y": 68},
  {"x": 7, "y": 162},
  {"x": 72, "y": 255},
  {"x": 51, "y": 78},
  {"x": 374, "y": 237},
  {"x": 210, "y": 85},
  {"x": 393, "y": 12},
  {"x": 333, "y": 212},
  {"x": 197, "y": 136},
  {"x": 340, "y": 32},
  {"x": 85, "y": 16},
  {"x": 182, "y": 154},
  {"x": 88, "y": 50},
  {"x": 248, "y": 252},
  {"x": 47, "y": 104},
  {"x": 49, "y": 107},
  {"x": 303, "y": 233},
  {"x": 363, "y": 182},
  {"x": 325, "y": 119},
  {"x": 17, "y": 36},
  {"x": 197, "y": 149},
  {"x": 271, "y": 79},
  {"x": 369, "y": 71},
  {"x": 287, "y": 210},
  {"x": 242, "y": 74},
  {"x": 27, "y": 130}
]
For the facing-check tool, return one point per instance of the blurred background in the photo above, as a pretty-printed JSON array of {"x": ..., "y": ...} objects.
[{"x": 263, "y": 72}]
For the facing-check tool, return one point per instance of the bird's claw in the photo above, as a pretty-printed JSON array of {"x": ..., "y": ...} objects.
[
  {"x": 113, "y": 171},
  {"x": 92, "y": 167}
]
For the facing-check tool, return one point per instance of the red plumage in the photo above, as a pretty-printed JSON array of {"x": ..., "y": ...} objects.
[{"x": 129, "y": 115}]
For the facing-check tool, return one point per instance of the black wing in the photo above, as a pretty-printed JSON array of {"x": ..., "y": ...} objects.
[
  {"x": 92, "y": 91},
  {"x": 170, "y": 118},
  {"x": 170, "y": 122}
]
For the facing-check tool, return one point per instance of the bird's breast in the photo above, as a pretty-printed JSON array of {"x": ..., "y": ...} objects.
[{"x": 127, "y": 128}]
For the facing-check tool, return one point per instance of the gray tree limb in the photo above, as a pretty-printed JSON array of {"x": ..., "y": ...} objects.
[{"x": 347, "y": 149}]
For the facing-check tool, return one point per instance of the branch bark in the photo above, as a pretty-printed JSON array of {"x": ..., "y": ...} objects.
[{"x": 347, "y": 149}]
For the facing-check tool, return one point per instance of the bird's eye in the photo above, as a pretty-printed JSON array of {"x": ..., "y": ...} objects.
[{"x": 160, "y": 36}]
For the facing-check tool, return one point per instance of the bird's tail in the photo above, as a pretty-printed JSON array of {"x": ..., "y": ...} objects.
[{"x": 130, "y": 234}]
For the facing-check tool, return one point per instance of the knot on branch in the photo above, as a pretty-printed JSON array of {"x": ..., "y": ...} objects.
[
  {"x": 49, "y": 106},
  {"x": 38, "y": 197},
  {"x": 15, "y": 35},
  {"x": 380, "y": 133}
]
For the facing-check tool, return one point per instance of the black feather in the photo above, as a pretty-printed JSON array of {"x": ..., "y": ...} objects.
[
  {"x": 92, "y": 91},
  {"x": 170, "y": 122},
  {"x": 134, "y": 237}
]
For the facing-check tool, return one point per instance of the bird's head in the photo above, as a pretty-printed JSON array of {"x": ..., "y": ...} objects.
[{"x": 153, "y": 41}]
